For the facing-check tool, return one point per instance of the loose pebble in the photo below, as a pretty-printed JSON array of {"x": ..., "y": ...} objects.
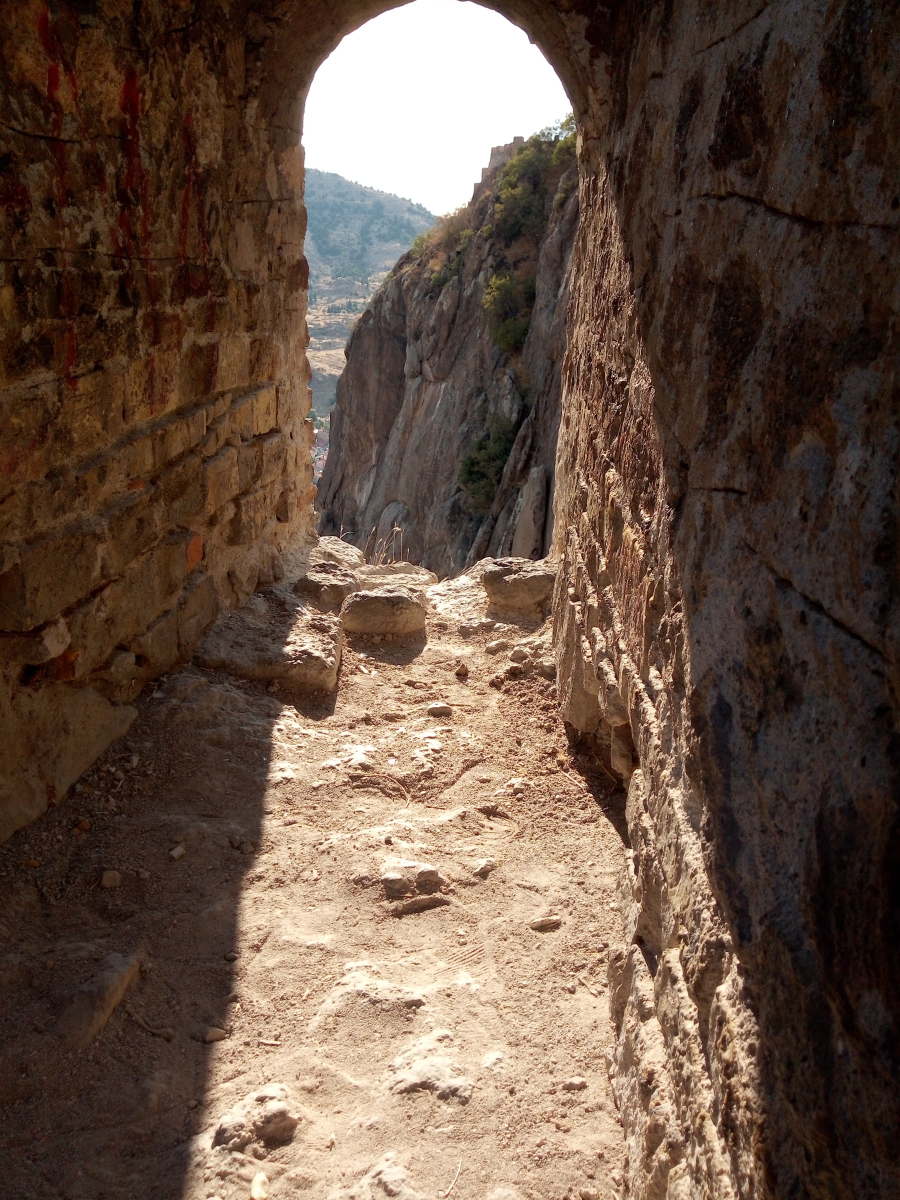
[
  {"x": 576, "y": 1084},
  {"x": 111, "y": 879},
  {"x": 497, "y": 647},
  {"x": 462, "y": 671},
  {"x": 545, "y": 924},
  {"x": 259, "y": 1188},
  {"x": 484, "y": 868},
  {"x": 178, "y": 852},
  {"x": 215, "y": 1034},
  {"x": 439, "y": 709}
]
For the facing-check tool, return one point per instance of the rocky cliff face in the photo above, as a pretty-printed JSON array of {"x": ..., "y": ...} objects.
[
  {"x": 354, "y": 236},
  {"x": 443, "y": 443}
]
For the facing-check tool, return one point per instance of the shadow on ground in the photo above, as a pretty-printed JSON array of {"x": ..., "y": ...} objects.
[{"x": 196, "y": 771}]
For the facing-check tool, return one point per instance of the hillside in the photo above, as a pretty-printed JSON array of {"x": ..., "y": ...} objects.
[
  {"x": 355, "y": 234},
  {"x": 443, "y": 437}
]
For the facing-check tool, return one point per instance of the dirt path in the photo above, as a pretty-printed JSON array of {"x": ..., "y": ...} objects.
[{"x": 454, "y": 1049}]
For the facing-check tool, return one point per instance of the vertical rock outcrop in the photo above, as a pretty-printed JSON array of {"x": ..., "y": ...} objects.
[
  {"x": 429, "y": 402},
  {"x": 727, "y": 607}
]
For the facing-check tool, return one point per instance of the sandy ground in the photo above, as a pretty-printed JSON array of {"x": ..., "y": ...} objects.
[{"x": 452, "y": 1049}]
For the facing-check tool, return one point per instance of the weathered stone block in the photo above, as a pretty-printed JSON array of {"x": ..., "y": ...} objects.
[
  {"x": 119, "y": 679},
  {"x": 96, "y": 1000},
  {"x": 50, "y": 734},
  {"x": 50, "y": 575},
  {"x": 248, "y": 464},
  {"x": 197, "y": 372},
  {"x": 266, "y": 640},
  {"x": 183, "y": 491},
  {"x": 394, "y": 610},
  {"x": 121, "y": 610},
  {"x": 233, "y": 369},
  {"x": 273, "y": 456},
  {"x": 239, "y": 418},
  {"x": 249, "y": 518},
  {"x": 132, "y": 525},
  {"x": 197, "y": 609},
  {"x": 265, "y": 410},
  {"x": 178, "y": 435},
  {"x": 156, "y": 649},
  {"x": 518, "y": 584},
  {"x": 222, "y": 482}
]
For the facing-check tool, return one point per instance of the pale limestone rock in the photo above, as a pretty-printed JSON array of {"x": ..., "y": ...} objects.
[
  {"x": 359, "y": 985},
  {"x": 276, "y": 639},
  {"x": 336, "y": 550},
  {"x": 388, "y": 1177},
  {"x": 391, "y": 609},
  {"x": 326, "y": 585},
  {"x": 426, "y": 1066},
  {"x": 531, "y": 515},
  {"x": 263, "y": 1117},
  {"x": 421, "y": 379},
  {"x": 518, "y": 585}
]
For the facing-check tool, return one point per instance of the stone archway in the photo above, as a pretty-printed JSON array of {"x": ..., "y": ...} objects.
[{"x": 726, "y": 510}]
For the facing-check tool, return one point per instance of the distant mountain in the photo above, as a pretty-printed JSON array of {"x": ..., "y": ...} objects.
[{"x": 355, "y": 234}]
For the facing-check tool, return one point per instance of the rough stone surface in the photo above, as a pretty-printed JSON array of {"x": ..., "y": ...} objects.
[
  {"x": 262, "y": 1118},
  {"x": 725, "y": 493},
  {"x": 96, "y": 1000},
  {"x": 389, "y": 610},
  {"x": 518, "y": 585},
  {"x": 49, "y": 734},
  {"x": 423, "y": 379},
  {"x": 274, "y": 637},
  {"x": 336, "y": 550},
  {"x": 326, "y": 585}
]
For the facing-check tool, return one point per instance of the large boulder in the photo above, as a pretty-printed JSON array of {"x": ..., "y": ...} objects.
[
  {"x": 275, "y": 637},
  {"x": 518, "y": 584},
  {"x": 326, "y": 585},
  {"x": 391, "y": 610},
  {"x": 335, "y": 550}
]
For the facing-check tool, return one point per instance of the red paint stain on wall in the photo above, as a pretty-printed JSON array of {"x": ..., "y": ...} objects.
[{"x": 194, "y": 551}]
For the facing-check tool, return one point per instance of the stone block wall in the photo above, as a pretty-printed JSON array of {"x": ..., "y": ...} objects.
[{"x": 153, "y": 383}]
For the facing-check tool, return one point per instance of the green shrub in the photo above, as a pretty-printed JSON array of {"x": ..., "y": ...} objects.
[
  {"x": 507, "y": 307},
  {"x": 420, "y": 241},
  {"x": 523, "y": 183},
  {"x": 482, "y": 468},
  {"x": 454, "y": 264}
]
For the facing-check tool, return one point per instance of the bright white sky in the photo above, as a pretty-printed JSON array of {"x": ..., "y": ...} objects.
[{"x": 413, "y": 101}]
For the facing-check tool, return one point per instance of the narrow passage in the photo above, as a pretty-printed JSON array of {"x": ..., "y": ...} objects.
[{"x": 370, "y": 938}]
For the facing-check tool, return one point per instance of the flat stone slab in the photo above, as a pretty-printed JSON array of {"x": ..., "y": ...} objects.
[
  {"x": 518, "y": 584},
  {"x": 389, "y": 610},
  {"x": 96, "y": 1000},
  {"x": 327, "y": 585},
  {"x": 273, "y": 636}
]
